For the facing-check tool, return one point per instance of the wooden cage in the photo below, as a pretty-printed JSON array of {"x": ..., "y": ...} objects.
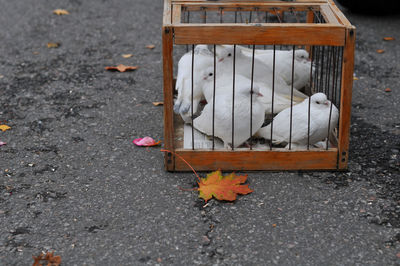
[{"x": 316, "y": 25}]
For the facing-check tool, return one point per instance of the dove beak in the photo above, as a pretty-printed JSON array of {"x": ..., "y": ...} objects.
[{"x": 326, "y": 103}]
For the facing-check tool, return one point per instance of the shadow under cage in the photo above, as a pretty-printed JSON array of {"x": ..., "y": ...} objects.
[{"x": 257, "y": 85}]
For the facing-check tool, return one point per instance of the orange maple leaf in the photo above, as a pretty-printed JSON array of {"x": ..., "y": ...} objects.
[
  {"x": 122, "y": 68},
  {"x": 49, "y": 257},
  {"x": 222, "y": 187}
]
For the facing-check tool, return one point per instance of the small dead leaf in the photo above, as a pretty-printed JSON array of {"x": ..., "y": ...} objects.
[
  {"x": 35, "y": 52},
  {"x": 53, "y": 44},
  {"x": 355, "y": 78},
  {"x": 222, "y": 187},
  {"x": 121, "y": 68},
  {"x": 146, "y": 141},
  {"x": 49, "y": 258},
  {"x": 380, "y": 51},
  {"x": 127, "y": 55},
  {"x": 4, "y": 127},
  {"x": 388, "y": 90},
  {"x": 150, "y": 46},
  {"x": 157, "y": 103},
  {"x": 388, "y": 38},
  {"x": 273, "y": 225},
  {"x": 60, "y": 12}
]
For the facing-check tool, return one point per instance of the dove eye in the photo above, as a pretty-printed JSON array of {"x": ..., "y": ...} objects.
[
  {"x": 210, "y": 74},
  {"x": 229, "y": 54},
  {"x": 317, "y": 102}
]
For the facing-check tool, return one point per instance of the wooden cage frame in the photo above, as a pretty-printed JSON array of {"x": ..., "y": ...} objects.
[{"x": 337, "y": 31}]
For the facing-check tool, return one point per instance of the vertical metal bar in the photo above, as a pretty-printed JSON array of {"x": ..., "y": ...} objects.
[
  {"x": 213, "y": 116},
  {"x": 309, "y": 100},
  {"x": 240, "y": 14},
  {"x": 204, "y": 15},
  {"x": 330, "y": 111},
  {"x": 187, "y": 21},
  {"x": 266, "y": 21},
  {"x": 321, "y": 78},
  {"x": 273, "y": 94},
  {"x": 233, "y": 97},
  {"x": 235, "y": 16},
  {"x": 192, "y": 89},
  {"x": 221, "y": 13},
  {"x": 251, "y": 96},
  {"x": 291, "y": 101}
]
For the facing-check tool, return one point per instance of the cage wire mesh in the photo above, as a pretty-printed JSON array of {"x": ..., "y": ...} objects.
[{"x": 323, "y": 75}]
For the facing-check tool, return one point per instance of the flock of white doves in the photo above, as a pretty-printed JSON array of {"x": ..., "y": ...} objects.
[{"x": 323, "y": 114}]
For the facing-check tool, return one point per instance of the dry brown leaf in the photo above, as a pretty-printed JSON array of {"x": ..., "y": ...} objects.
[
  {"x": 150, "y": 46},
  {"x": 127, "y": 55},
  {"x": 388, "y": 90},
  {"x": 388, "y": 38},
  {"x": 49, "y": 258},
  {"x": 157, "y": 103},
  {"x": 121, "y": 68},
  {"x": 380, "y": 51},
  {"x": 60, "y": 12},
  {"x": 53, "y": 44}
]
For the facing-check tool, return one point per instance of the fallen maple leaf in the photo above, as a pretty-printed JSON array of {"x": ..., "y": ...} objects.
[
  {"x": 380, "y": 51},
  {"x": 388, "y": 39},
  {"x": 150, "y": 46},
  {"x": 53, "y": 44},
  {"x": 4, "y": 127},
  {"x": 60, "y": 12},
  {"x": 49, "y": 257},
  {"x": 122, "y": 68},
  {"x": 146, "y": 141},
  {"x": 127, "y": 55},
  {"x": 222, "y": 187},
  {"x": 157, "y": 103}
]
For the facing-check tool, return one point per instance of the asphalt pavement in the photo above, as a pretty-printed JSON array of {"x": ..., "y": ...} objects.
[{"x": 72, "y": 182}]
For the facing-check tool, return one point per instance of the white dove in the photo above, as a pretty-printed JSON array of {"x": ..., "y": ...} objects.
[
  {"x": 283, "y": 64},
  {"x": 320, "y": 110},
  {"x": 223, "y": 116},
  {"x": 202, "y": 59},
  {"x": 262, "y": 72},
  {"x": 224, "y": 82}
]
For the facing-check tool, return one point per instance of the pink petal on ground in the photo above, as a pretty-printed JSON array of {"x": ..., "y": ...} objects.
[
  {"x": 2, "y": 143},
  {"x": 146, "y": 141}
]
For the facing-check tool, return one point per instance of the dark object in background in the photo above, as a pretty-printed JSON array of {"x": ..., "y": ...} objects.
[{"x": 382, "y": 7}]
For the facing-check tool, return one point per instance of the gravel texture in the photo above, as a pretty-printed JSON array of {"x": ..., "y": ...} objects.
[{"x": 71, "y": 181}]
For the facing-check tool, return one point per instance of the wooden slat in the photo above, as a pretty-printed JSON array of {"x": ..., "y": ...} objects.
[
  {"x": 252, "y": 2},
  {"x": 328, "y": 14},
  {"x": 167, "y": 38},
  {"x": 176, "y": 14},
  {"x": 341, "y": 17},
  {"x": 261, "y": 33},
  {"x": 256, "y": 160},
  {"x": 167, "y": 20},
  {"x": 345, "y": 98}
]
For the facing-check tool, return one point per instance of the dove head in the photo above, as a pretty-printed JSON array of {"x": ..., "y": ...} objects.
[
  {"x": 225, "y": 52},
  {"x": 320, "y": 99},
  {"x": 201, "y": 49},
  {"x": 208, "y": 74},
  {"x": 302, "y": 55}
]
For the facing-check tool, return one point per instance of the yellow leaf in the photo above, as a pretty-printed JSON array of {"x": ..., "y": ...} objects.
[
  {"x": 222, "y": 187},
  {"x": 4, "y": 127},
  {"x": 388, "y": 39},
  {"x": 60, "y": 12},
  {"x": 122, "y": 68},
  {"x": 53, "y": 44},
  {"x": 355, "y": 78},
  {"x": 157, "y": 103},
  {"x": 127, "y": 55}
]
